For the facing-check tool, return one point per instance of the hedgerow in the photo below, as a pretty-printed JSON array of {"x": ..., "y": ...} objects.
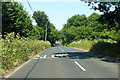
[{"x": 16, "y": 49}]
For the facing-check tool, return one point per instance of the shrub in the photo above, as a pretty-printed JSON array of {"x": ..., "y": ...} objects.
[
  {"x": 104, "y": 47},
  {"x": 16, "y": 49}
]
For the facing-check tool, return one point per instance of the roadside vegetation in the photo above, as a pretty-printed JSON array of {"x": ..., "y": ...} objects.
[
  {"x": 20, "y": 39},
  {"x": 16, "y": 50},
  {"x": 103, "y": 47},
  {"x": 16, "y": 19},
  {"x": 96, "y": 33}
]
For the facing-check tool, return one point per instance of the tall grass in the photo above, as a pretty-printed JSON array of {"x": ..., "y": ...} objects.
[
  {"x": 102, "y": 47},
  {"x": 16, "y": 50}
]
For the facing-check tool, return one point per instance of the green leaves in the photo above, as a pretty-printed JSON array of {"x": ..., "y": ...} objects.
[
  {"x": 17, "y": 50},
  {"x": 76, "y": 20},
  {"x": 82, "y": 27},
  {"x": 111, "y": 12},
  {"x": 41, "y": 19},
  {"x": 37, "y": 33},
  {"x": 16, "y": 17},
  {"x": 104, "y": 47}
]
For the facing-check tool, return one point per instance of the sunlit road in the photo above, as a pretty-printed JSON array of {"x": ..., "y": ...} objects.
[{"x": 64, "y": 62}]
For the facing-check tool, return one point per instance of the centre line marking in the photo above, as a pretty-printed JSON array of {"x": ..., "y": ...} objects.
[
  {"x": 45, "y": 56},
  {"x": 61, "y": 49},
  {"x": 52, "y": 56},
  {"x": 79, "y": 66},
  {"x": 37, "y": 56}
]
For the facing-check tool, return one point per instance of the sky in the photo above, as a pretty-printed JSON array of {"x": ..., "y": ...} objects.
[{"x": 58, "y": 11}]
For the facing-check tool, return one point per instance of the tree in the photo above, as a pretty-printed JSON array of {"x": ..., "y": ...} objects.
[
  {"x": 52, "y": 34},
  {"x": 112, "y": 16},
  {"x": 43, "y": 22},
  {"x": 76, "y": 20},
  {"x": 41, "y": 19},
  {"x": 37, "y": 33},
  {"x": 0, "y": 17},
  {"x": 15, "y": 19}
]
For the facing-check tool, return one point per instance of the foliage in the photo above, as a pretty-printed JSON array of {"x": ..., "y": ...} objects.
[
  {"x": 76, "y": 20},
  {"x": 16, "y": 49},
  {"x": 19, "y": 21},
  {"x": 90, "y": 29},
  {"x": 111, "y": 12},
  {"x": 15, "y": 19},
  {"x": 42, "y": 21},
  {"x": 36, "y": 33},
  {"x": 104, "y": 47}
]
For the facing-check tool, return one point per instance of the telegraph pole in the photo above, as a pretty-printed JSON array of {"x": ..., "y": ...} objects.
[{"x": 46, "y": 34}]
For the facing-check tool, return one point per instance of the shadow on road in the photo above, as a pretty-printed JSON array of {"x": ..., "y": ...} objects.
[
  {"x": 82, "y": 55},
  {"x": 101, "y": 47},
  {"x": 110, "y": 51}
]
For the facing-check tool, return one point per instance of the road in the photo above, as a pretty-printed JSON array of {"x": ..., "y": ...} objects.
[{"x": 64, "y": 62}]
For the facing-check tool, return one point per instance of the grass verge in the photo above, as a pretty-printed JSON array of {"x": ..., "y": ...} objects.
[
  {"x": 16, "y": 50},
  {"x": 107, "y": 48}
]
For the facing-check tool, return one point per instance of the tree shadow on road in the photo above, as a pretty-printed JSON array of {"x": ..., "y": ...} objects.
[
  {"x": 82, "y": 55},
  {"x": 73, "y": 55},
  {"x": 107, "y": 51}
]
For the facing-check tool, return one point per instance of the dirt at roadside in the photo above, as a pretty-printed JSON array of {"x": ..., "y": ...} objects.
[{"x": 87, "y": 50}]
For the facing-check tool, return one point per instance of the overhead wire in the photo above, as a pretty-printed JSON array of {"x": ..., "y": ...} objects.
[{"x": 29, "y": 5}]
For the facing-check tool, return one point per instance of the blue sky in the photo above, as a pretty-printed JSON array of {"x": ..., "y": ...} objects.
[{"x": 58, "y": 11}]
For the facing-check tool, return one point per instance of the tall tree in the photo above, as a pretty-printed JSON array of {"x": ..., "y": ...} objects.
[
  {"x": 111, "y": 12},
  {"x": 76, "y": 20},
  {"x": 41, "y": 19},
  {"x": 15, "y": 19},
  {"x": 50, "y": 33}
]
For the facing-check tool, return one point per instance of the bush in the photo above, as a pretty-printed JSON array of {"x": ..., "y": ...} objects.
[
  {"x": 102, "y": 47},
  {"x": 16, "y": 49}
]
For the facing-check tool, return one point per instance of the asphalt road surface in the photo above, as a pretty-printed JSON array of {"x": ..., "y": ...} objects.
[{"x": 64, "y": 62}]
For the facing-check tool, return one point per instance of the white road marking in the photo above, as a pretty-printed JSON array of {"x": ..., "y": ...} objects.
[
  {"x": 80, "y": 66},
  {"x": 61, "y": 49},
  {"x": 52, "y": 56},
  {"x": 41, "y": 57},
  {"x": 45, "y": 56},
  {"x": 37, "y": 56}
]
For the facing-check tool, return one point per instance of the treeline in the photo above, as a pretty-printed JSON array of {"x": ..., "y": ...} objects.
[
  {"x": 90, "y": 28},
  {"x": 99, "y": 34},
  {"x": 20, "y": 39},
  {"x": 16, "y": 19}
]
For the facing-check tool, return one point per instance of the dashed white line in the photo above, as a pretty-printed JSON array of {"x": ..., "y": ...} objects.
[
  {"x": 37, "y": 56},
  {"x": 41, "y": 57},
  {"x": 52, "y": 56},
  {"x": 45, "y": 56},
  {"x": 80, "y": 66},
  {"x": 61, "y": 49}
]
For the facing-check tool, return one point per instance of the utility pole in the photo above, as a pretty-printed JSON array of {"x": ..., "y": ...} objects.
[{"x": 46, "y": 34}]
